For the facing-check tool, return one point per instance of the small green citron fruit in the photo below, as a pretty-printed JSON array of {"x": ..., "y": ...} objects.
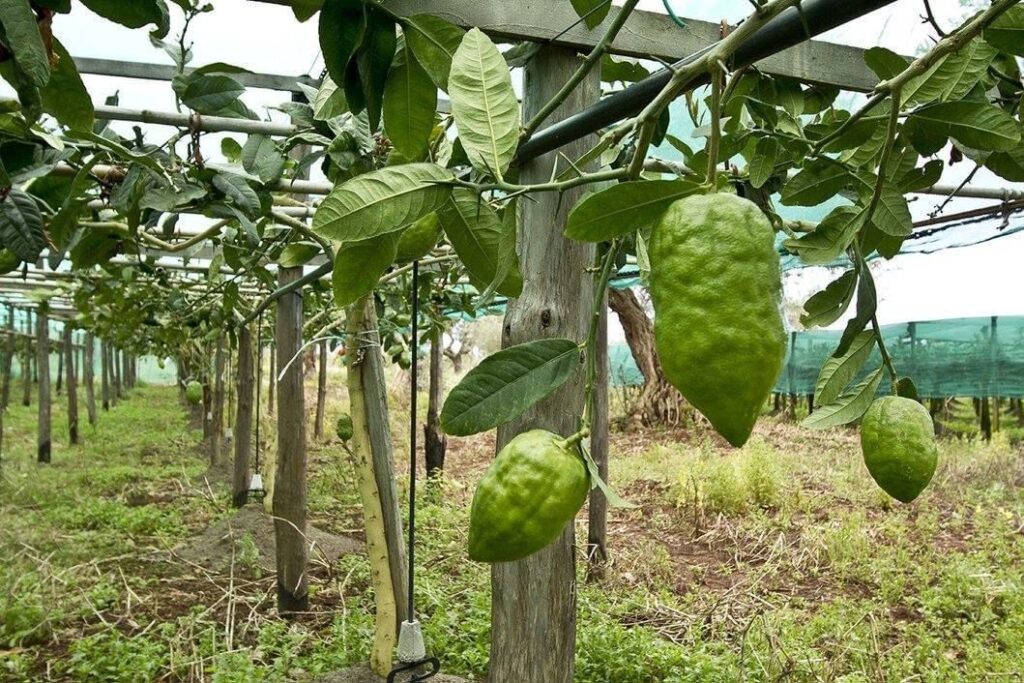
[
  {"x": 344, "y": 427},
  {"x": 418, "y": 239},
  {"x": 8, "y": 261},
  {"x": 716, "y": 287},
  {"x": 535, "y": 485},
  {"x": 194, "y": 392},
  {"x": 897, "y": 438}
]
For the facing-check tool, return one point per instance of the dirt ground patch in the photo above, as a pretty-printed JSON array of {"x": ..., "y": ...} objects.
[
  {"x": 247, "y": 538},
  {"x": 362, "y": 674}
]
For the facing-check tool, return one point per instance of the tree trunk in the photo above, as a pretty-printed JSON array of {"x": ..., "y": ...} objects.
[
  {"x": 243, "y": 419},
  {"x": 321, "y": 392},
  {"x": 216, "y": 443},
  {"x": 986, "y": 419},
  {"x": 88, "y": 372},
  {"x": 597, "y": 527},
  {"x": 386, "y": 601},
  {"x": 43, "y": 362},
  {"x": 105, "y": 374},
  {"x": 810, "y": 403},
  {"x": 435, "y": 442},
  {"x": 533, "y": 605},
  {"x": 115, "y": 377},
  {"x": 72, "y": 381},
  {"x": 1019, "y": 412},
  {"x": 659, "y": 403},
  {"x": 290, "y": 481}
]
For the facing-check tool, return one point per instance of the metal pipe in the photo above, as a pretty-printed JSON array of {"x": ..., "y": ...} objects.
[
  {"x": 790, "y": 28},
  {"x": 207, "y": 124}
]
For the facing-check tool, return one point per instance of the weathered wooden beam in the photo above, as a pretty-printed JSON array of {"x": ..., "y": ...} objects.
[
  {"x": 243, "y": 419},
  {"x": 72, "y": 383},
  {"x": 164, "y": 72},
  {"x": 646, "y": 35},
  {"x": 45, "y": 441},
  {"x": 88, "y": 371}
]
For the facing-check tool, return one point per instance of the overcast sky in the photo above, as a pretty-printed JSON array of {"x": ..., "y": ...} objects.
[{"x": 974, "y": 281}]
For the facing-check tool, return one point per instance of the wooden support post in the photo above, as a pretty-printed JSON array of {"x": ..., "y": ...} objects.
[
  {"x": 216, "y": 443},
  {"x": 321, "y": 391},
  {"x": 290, "y": 482},
  {"x": 61, "y": 353},
  {"x": 115, "y": 377},
  {"x": 435, "y": 443},
  {"x": 11, "y": 348},
  {"x": 72, "y": 382},
  {"x": 243, "y": 420},
  {"x": 26, "y": 363},
  {"x": 533, "y": 605},
  {"x": 810, "y": 403},
  {"x": 43, "y": 362},
  {"x": 272, "y": 379},
  {"x": 88, "y": 377},
  {"x": 597, "y": 516},
  {"x": 986, "y": 419},
  {"x": 105, "y": 374}
]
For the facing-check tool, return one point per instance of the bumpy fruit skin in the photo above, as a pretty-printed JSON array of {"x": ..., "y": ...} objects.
[
  {"x": 528, "y": 494},
  {"x": 8, "y": 261},
  {"x": 194, "y": 392},
  {"x": 344, "y": 427},
  {"x": 418, "y": 239},
  {"x": 717, "y": 286},
  {"x": 897, "y": 438}
]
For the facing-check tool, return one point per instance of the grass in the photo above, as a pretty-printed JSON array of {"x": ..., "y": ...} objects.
[{"x": 778, "y": 561}]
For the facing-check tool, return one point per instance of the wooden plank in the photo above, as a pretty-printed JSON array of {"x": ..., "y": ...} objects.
[
  {"x": 164, "y": 72},
  {"x": 44, "y": 441},
  {"x": 72, "y": 383},
  {"x": 243, "y": 419},
  {"x": 646, "y": 35}
]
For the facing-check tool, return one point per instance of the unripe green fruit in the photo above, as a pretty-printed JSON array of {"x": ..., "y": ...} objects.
[
  {"x": 897, "y": 438},
  {"x": 194, "y": 392},
  {"x": 8, "y": 261},
  {"x": 716, "y": 286},
  {"x": 418, "y": 239},
  {"x": 344, "y": 427},
  {"x": 535, "y": 485}
]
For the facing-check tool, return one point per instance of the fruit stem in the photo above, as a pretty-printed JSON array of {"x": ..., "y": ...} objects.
[{"x": 577, "y": 437}]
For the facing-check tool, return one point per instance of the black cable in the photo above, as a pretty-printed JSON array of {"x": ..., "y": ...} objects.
[{"x": 412, "y": 435}]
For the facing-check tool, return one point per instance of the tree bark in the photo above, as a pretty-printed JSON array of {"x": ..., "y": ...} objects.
[
  {"x": 88, "y": 372},
  {"x": 72, "y": 382},
  {"x": 216, "y": 443},
  {"x": 659, "y": 403},
  {"x": 533, "y": 605},
  {"x": 243, "y": 419},
  {"x": 597, "y": 514},
  {"x": 321, "y": 392},
  {"x": 43, "y": 362},
  {"x": 435, "y": 442},
  {"x": 290, "y": 481},
  {"x": 105, "y": 374}
]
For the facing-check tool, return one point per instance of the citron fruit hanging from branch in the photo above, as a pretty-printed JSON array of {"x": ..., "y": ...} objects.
[
  {"x": 897, "y": 438},
  {"x": 717, "y": 286},
  {"x": 194, "y": 392},
  {"x": 536, "y": 484},
  {"x": 344, "y": 427},
  {"x": 418, "y": 239}
]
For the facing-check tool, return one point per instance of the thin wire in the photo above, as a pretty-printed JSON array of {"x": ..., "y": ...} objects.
[
  {"x": 672, "y": 13},
  {"x": 412, "y": 437}
]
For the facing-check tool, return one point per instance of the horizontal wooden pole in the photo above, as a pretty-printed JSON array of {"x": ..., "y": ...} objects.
[
  {"x": 164, "y": 72},
  {"x": 646, "y": 35}
]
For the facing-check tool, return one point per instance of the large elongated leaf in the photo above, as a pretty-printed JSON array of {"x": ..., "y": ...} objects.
[
  {"x": 1007, "y": 31},
  {"x": 818, "y": 181},
  {"x": 65, "y": 96},
  {"x": 21, "y": 226},
  {"x": 979, "y": 125},
  {"x": 373, "y": 60},
  {"x": 867, "y": 304},
  {"x": 342, "y": 24},
  {"x": 624, "y": 208},
  {"x": 593, "y": 12},
  {"x": 763, "y": 164},
  {"x": 25, "y": 41},
  {"x": 892, "y": 215},
  {"x": 434, "y": 42},
  {"x": 952, "y": 77},
  {"x": 484, "y": 104},
  {"x": 359, "y": 265},
  {"x": 825, "y": 307},
  {"x": 837, "y": 373},
  {"x": 507, "y": 383},
  {"x": 410, "y": 102},
  {"x": 847, "y": 408},
  {"x": 382, "y": 201},
  {"x": 478, "y": 236},
  {"x": 209, "y": 94},
  {"x": 830, "y": 239},
  {"x": 261, "y": 157},
  {"x": 237, "y": 189},
  {"x": 133, "y": 13}
]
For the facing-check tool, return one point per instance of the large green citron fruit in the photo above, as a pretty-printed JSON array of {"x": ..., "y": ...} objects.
[
  {"x": 897, "y": 438},
  {"x": 717, "y": 286},
  {"x": 418, "y": 239},
  {"x": 344, "y": 427},
  {"x": 8, "y": 261},
  {"x": 532, "y": 489},
  {"x": 194, "y": 392}
]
